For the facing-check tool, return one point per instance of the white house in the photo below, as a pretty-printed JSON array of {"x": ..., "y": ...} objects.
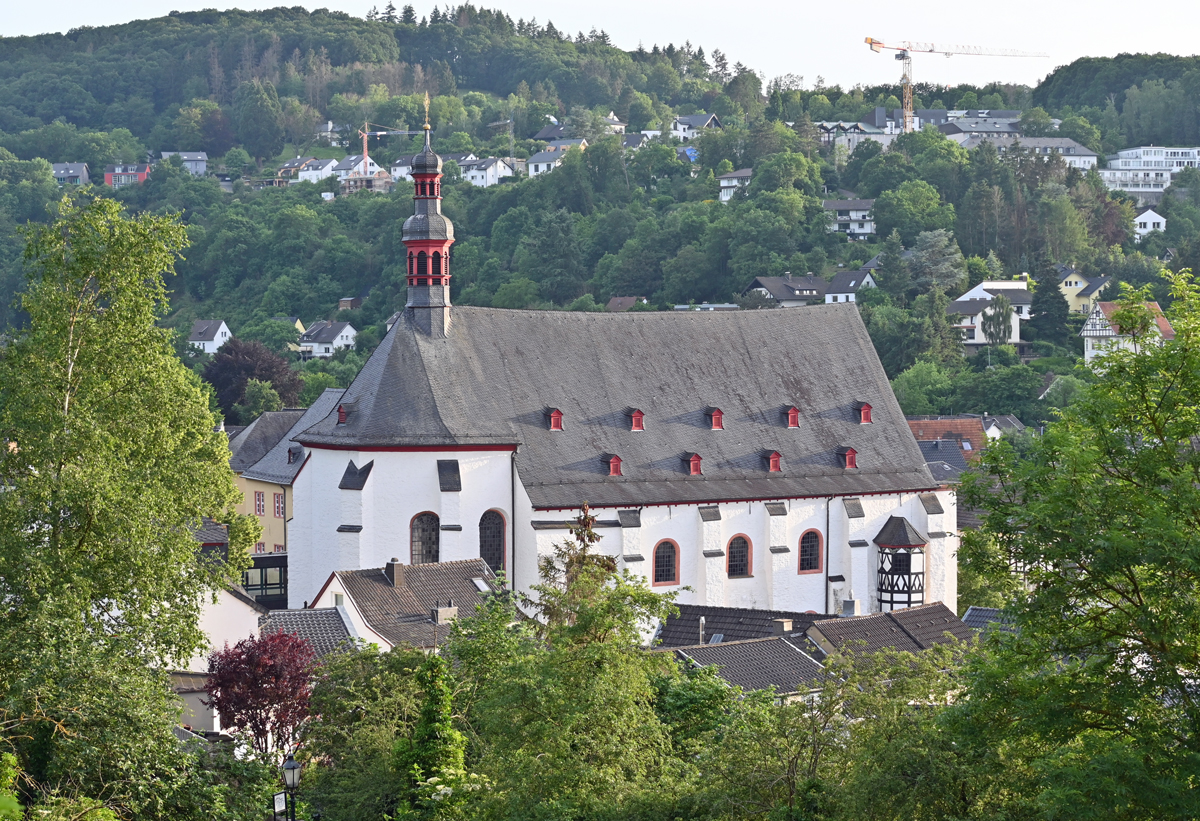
[
  {"x": 1101, "y": 334},
  {"x": 758, "y": 458},
  {"x": 732, "y": 181},
  {"x": 324, "y": 338},
  {"x": 972, "y": 306},
  {"x": 1147, "y": 169},
  {"x": 845, "y": 285},
  {"x": 789, "y": 291},
  {"x": 209, "y": 334},
  {"x": 544, "y": 162},
  {"x": 317, "y": 170},
  {"x": 687, "y": 127},
  {"x": 1148, "y": 221},
  {"x": 851, "y": 217},
  {"x": 486, "y": 172},
  {"x": 196, "y": 162},
  {"x": 357, "y": 165},
  {"x": 71, "y": 173}
]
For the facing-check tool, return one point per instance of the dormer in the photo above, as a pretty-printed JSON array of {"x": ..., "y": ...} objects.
[
  {"x": 773, "y": 460},
  {"x": 344, "y": 412},
  {"x": 554, "y": 418},
  {"x": 614, "y": 464},
  {"x": 716, "y": 418},
  {"x": 864, "y": 412},
  {"x": 848, "y": 457},
  {"x": 637, "y": 419},
  {"x": 792, "y": 414},
  {"x": 295, "y": 454},
  {"x": 692, "y": 461}
]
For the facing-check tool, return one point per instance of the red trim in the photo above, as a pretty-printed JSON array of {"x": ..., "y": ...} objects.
[
  {"x": 694, "y": 465},
  {"x": 773, "y": 462},
  {"x": 556, "y": 419},
  {"x": 637, "y": 420},
  {"x": 654, "y": 564},
  {"x": 717, "y": 417},
  {"x": 751, "y": 499},
  {"x": 614, "y": 466},
  {"x": 307, "y": 456},
  {"x": 865, "y": 418},
  {"x": 793, "y": 416},
  {"x": 321, "y": 592},
  {"x": 415, "y": 448},
  {"x": 820, "y": 553},
  {"x": 749, "y": 556},
  {"x": 410, "y": 540}
]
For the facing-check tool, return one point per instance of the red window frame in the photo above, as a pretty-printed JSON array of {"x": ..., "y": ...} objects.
[
  {"x": 865, "y": 417},
  {"x": 717, "y": 418},
  {"x": 850, "y": 457},
  {"x": 694, "y": 465},
  {"x": 749, "y": 556},
  {"x": 260, "y": 547},
  {"x": 614, "y": 465},
  {"x": 260, "y": 503},
  {"x": 793, "y": 417},
  {"x": 637, "y": 420},
  {"x": 279, "y": 548},
  {"x": 556, "y": 419},
  {"x": 820, "y": 553},
  {"x": 654, "y": 564},
  {"x": 280, "y": 506},
  {"x": 773, "y": 462}
]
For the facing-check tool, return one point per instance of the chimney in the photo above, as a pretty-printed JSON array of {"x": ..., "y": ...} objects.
[
  {"x": 443, "y": 615},
  {"x": 389, "y": 570},
  {"x": 702, "y": 629},
  {"x": 781, "y": 626},
  {"x": 850, "y": 607}
]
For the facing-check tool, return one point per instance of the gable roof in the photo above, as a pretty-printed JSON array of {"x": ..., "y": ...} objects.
[
  {"x": 546, "y": 156},
  {"x": 1017, "y": 296},
  {"x": 911, "y": 630},
  {"x": 875, "y": 261},
  {"x": 348, "y": 162},
  {"x": 488, "y": 381},
  {"x": 295, "y": 163},
  {"x": 622, "y": 303},
  {"x": 260, "y": 436},
  {"x": 805, "y": 287},
  {"x": 66, "y": 169},
  {"x": 987, "y": 618},
  {"x": 758, "y": 664},
  {"x": 205, "y": 330},
  {"x": 699, "y": 120},
  {"x": 326, "y": 629},
  {"x": 324, "y": 331},
  {"x": 847, "y": 205},
  {"x": 847, "y": 282},
  {"x": 635, "y": 140},
  {"x": 731, "y": 623},
  {"x": 274, "y": 466},
  {"x": 550, "y": 132},
  {"x": 740, "y": 174},
  {"x": 400, "y": 612},
  {"x": 1094, "y": 285},
  {"x": 1003, "y": 421},
  {"x": 945, "y": 459},
  {"x": 1164, "y": 326},
  {"x": 958, "y": 429}
]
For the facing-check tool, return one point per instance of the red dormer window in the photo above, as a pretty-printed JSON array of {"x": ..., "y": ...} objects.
[
  {"x": 692, "y": 460},
  {"x": 636, "y": 420},
  {"x": 614, "y": 464},
  {"x": 864, "y": 413},
  {"x": 773, "y": 460},
  {"x": 715, "y": 418},
  {"x": 342, "y": 413},
  {"x": 849, "y": 457},
  {"x": 793, "y": 416},
  {"x": 554, "y": 417}
]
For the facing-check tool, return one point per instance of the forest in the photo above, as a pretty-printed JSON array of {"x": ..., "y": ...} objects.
[{"x": 249, "y": 88}]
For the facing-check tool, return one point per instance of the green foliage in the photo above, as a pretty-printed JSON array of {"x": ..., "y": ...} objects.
[
  {"x": 259, "y": 397},
  {"x": 912, "y": 208},
  {"x": 996, "y": 321},
  {"x": 259, "y": 119}
]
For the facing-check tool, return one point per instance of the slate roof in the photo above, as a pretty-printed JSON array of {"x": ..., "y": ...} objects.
[
  {"x": 847, "y": 205},
  {"x": 69, "y": 169},
  {"x": 636, "y": 140},
  {"x": 205, "y": 330},
  {"x": 983, "y": 618},
  {"x": 758, "y": 664},
  {"x": 1094, "y": 286},
  {"x": 740, "y": 174},
  {"x": 489, "y": 380},
  {"x": 996, "y": 125},
  {"x": 323, "y": 331},
  {"x": 260, "y": 437},
  {"x": 295, "y": 164},
  {"x": 546, "y": 156},
  {"x": 732, "y": 623},
  {"x": 1004, "y": 139},
  {"x": 325, "y": 628},
  {"x": 274, "y": 466},
  {"x": 1017, "y": 296},
  {"x": 1004, "y": 421},
  {"x": 622, "y": 303},
  {"x": 913, "y": 629},
  {"x": 945, "y": 459},
  {"x": 790, "y": 287},
  {"x": 551, "y": 132},
  {"x": 400, "y": 612},
  {"x": 898, "y": 531},
  {"x": 349, "y": 162},
  {"x": 846, "y": 282},
  {"x": 211, "y": 532},
  {"x": 699, "y": 120}
]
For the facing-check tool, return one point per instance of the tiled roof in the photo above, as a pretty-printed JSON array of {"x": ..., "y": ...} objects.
[
  {"x": 957, "y": 429},
  {"x": 275, "y": 466},
  {"x": 846, "y": 282},
  {"x": 983, "y": 618},
  {"x": 731, "y": 623},
  {"x": 944, "y": 450},
  {"x": 805, "y": 287},
  {"x": 205, "y": 330},
  {"x": 898, "y": 531},
  {"x": 489, "y": 380},
  {"x": 400, "y": 612},
  {"x": 348, "y": 162},
  {"x": 758, "y": 664},
  {"x": 260, "y": 436},
  {"x": 325, "y": 629},
  {"x": 1164, "y": 326},
  {"x": 916, "y": 628},
  {"x": 622, "y": 303}
]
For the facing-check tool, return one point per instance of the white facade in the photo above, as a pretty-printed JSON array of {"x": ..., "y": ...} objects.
[
  {"x": 851, "y": 217},
  {"x": 860, "y": 279},
  {"x": 316, "y": 171},
  {"x": 544, "y": 162},
  {"x": 226, "y": 621},
  {"x": 337, "y": 529},
  {"x": 1147, "y": 169},
  {"x": 486, "y": 172},
  {"x": 210, "y": 346},
  {"x": 1148, "y": 222},
  {"x": 732, "y": 181},
  {"x": 358, "y": 166},
  {"x": 317, "y": 342}
]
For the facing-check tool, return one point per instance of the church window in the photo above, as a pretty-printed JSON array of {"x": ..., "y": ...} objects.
[
  {"x": 491, "y": 540},
  {"x": 426, "y": 538},
  {"x": 738, "y": 557},
  {"x": 437, "y": 263},
  {"x": 666, "y": 563},
  {"x": 810, "y": 552},
  {"x": 422, "y": 264}
]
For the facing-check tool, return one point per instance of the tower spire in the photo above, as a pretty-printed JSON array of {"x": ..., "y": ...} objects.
[{"x": 427, "y": 236}]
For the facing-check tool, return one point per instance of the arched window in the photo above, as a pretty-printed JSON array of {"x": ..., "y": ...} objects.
[
  {"x": 666, "y": 563},
  {"x": 437, "y": 264},
  {"x": 738, "y": 557},
  {"x": 491, "y": 540},
  {"x": 426, "y": 535},
  {"x": 411, "y": 260},
  {"x": 422, "y": 264},
  {"x": 810, "y": 552}
]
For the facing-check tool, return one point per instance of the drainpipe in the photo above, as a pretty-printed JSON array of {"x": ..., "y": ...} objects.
[
  {"x": 512, "y": 518},
  {"x": 828, "y": 501}
]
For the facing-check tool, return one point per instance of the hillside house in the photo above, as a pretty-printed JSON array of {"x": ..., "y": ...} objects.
[
  {"x": 687, "y": 127},
  {"x": 70, "y": 173},
  {"x": 324, "y": 338},
  {"x": 845, "y": 285},
  {"x": 1147, "y": 221},
  {"x": 486, "y": 172},
  {"x": 119, "y": 176},
  {"x": 315, "y": 170},
  {"x": 851, "y": 217},
  {"x": 1101, "y": 334},
  {"x": 356, "y": 164},
  {"x": 1073, "y": 154},
  {"x": 789, "y": 291},
  {"x": 196, "y": 162},
  {"x": 734, "y": 180},
  {"x": 209, "y": 335},
  {"x": 1080, "y": 292}
]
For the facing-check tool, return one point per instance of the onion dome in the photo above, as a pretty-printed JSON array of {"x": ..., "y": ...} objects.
[{"x": 426, "y": 162}]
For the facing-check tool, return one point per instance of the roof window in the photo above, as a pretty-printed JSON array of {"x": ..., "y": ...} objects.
[
  {"x": 848, "y": 457},
  {"x": 715, "y": 418},
  {"x": 344, "y": 412},
  {"x": 792, "y": 413},
  {"x": 614, "y": 464},
  {"x": 554, "y": 418},
  {"x": 773, "y": 459},
  {"x": 864, "y": 412},
  {"x": 636, "y": 419},
  {"x": 692, "y": 460}
]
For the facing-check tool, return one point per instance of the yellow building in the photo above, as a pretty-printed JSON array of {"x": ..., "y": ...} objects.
[{"x": 1081, "y": 292}]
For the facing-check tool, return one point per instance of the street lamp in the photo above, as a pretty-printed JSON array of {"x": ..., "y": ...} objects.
[{"x": 291, "y": 780}]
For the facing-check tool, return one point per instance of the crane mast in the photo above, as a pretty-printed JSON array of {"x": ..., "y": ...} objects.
[{"x": 904, "y": 50}]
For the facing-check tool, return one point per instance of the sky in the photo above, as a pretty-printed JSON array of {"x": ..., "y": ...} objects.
[{"x": 775, "y": 37}]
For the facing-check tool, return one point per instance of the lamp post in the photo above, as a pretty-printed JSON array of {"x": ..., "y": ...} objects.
[{"x": 291, "y": 780}]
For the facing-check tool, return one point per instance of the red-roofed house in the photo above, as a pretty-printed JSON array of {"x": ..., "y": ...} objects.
[
  {"x": 966, "y": 430},
  {"x": 1101, "y": 334}
]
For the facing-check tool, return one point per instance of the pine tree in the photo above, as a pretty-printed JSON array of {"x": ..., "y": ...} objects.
[
  {"x": 373, "y": 14},
  {"x": 389, "y": 13},
  {"x": 892, "y": 274},
  {"x": 408, "y": 16},
  {"x": 1049, "y": 311}
]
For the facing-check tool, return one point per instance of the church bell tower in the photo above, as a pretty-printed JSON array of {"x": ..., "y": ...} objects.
[{"x": 428, "y": 235}]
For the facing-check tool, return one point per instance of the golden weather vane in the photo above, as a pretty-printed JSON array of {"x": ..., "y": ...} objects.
[{"x": 427, "y": 108}]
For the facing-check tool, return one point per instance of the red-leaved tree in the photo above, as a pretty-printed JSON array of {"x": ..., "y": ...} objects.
[{"x": 261, "y": 687}]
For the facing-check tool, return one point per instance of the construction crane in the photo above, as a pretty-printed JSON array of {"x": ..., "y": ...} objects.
[
  {"x": 904, "y": 50},
  {"x": 364, "y": 132}
]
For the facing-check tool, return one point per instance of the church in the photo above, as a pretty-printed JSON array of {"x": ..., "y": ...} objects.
[{"x": 746, "y": 459}]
